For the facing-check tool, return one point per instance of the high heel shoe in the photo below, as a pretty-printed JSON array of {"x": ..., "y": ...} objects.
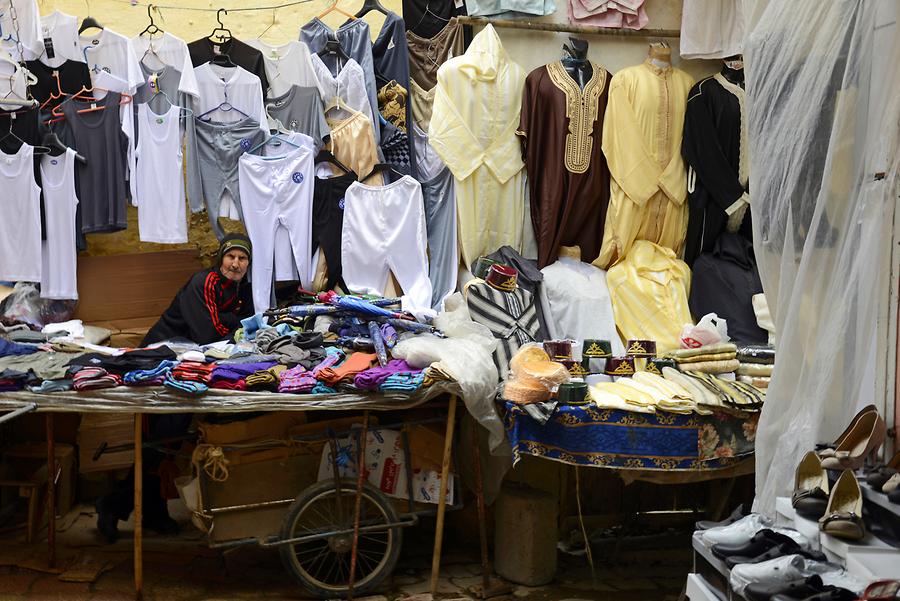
[
  {"x": 810, "y": 497},
  {"x": 843, "y": 517},
  {"x": 879, "y": 475},
  {"x": 827, "y": 450},
  {"x": 863, "y": 439}
]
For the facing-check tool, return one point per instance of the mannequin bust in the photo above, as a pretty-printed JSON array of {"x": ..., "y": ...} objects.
[
  {"x": 660, "y": 55},
  {"x": 570, "y": 252},
  {"x": 576, "y": 62},
  {"x": 733, "y": 69}
]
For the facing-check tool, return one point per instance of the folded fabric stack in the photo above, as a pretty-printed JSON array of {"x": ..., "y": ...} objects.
[
  {"x": 52, "y": 386},
  {"x": 92, "y": 378},
  {"x": 149, "y": 377},
  {"x": 675, "y": 392},
  {"x": 373, "y": 377},
  {"x": 265, "y": 379},
  {"x": 711, "y": 359},
  {"x": 404, "y": 381},
  {"x": 354, "y": 364},
  {"x": 11, "y": 379},
  {"x": 192, "y": 387},
  {"x": 227, "y": 376},
  {"x": 8, "y": 348},
  {"x": 756, "y": 365},
  {"x": 628, "y": 14},
  {"x": 228, "y": 385},
  {"x": 193, "y": 371},
  {"x": 298, "y": 379}
]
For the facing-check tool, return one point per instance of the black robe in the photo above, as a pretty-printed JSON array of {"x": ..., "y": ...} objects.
[
  {"x": 724, "y": 282},
  {"x": 711, "y": 147}
]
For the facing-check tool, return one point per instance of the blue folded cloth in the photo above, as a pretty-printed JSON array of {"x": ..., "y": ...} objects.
[
  {"x": 403, "y": 382},
  {"x": 142, "y": 375},
  {"x": 8, "y": 348},
  {"x": 322, "y": 388},
  {"x": 52, "y": 386},
  {"x": 187, "y": 386}
]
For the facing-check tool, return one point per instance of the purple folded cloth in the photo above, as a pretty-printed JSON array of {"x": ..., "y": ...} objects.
[
  {"x": 296, "y": 379},
  {"x": 372, "y": 378},
  {"x": 238, "y": 371}
]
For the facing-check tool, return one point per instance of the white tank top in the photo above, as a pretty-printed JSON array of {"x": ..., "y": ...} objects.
[
  {"x": 59, "y": 275},
  {"x": 20, "y": 227},
  {"x": 159, "y": 183}
]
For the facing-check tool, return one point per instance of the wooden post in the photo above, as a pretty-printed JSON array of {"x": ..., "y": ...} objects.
[
  {"x": 51, "y": 491},
  {"x": 360, "y": 478},
  {"x": 442, "y": 500},
  {"x": 138, "y": 508}
]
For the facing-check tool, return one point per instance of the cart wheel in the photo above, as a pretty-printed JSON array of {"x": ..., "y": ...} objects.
[{"x": 323, "y": 565}]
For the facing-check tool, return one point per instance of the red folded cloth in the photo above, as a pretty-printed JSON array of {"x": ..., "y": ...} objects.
[{"x": 229, "y": 385}]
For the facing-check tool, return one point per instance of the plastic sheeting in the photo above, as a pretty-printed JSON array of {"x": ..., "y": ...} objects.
[{"x": 823, "y": 119}]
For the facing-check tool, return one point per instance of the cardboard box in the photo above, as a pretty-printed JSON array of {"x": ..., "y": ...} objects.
[
  {"x": 273, "y": 425},
  {"x": 115, "y": 429},
  {"x": 285, "y": 474},
  {"x": 27, "y": 458},
  {"x": 385, "y": 467}
]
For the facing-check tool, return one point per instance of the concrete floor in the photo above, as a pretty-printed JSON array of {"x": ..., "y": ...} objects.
[{"x": 184, "y": 568}]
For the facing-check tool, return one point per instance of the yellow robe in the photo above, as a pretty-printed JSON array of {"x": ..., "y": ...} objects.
[
  {"x": 477, "y": 102},
  {"x": 649, "y": 293},
  {"x": 642, "y": 143}
]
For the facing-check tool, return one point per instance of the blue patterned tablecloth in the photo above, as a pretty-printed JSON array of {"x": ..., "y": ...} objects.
[{"x": 586, "y": 435}]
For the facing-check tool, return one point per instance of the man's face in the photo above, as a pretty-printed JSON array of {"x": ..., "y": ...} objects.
[{"x": 234, "y": 264}]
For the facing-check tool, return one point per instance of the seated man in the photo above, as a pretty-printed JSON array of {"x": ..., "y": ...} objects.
[{"x": 209, "y": 307}]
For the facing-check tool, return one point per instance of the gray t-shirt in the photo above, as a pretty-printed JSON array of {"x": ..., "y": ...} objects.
[
  {"x": 102, "y": 186},
  {"x": 301, "y": 110}
]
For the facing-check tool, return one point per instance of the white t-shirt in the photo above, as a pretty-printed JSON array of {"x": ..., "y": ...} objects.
[
  {"x": 287, "y": 65},
  {"x": 62, "y": 30},
  {"x": 173, "y": 51},
  {"x": 238, "y": 86},
  {"x": 112, "y": 52},
  {"x": 26, "y": 24}
]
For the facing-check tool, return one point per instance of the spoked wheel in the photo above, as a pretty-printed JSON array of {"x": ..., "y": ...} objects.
[{"x": 322, "y": 565}]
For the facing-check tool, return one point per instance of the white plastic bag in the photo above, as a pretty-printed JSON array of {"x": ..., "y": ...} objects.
[{"x": 711, "y": 329}]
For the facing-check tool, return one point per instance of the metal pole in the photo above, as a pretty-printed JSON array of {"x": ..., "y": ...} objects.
[
  {"x": 482, "y": 524},
  {"x": 360, "y": 478},
  {"x": 51, "y": 491},
  {"x": 567, "y": 28},
  {"x": 442, "y": 500},
  {"x": 17, "y": 412},
  {"x": 138, "y": 509}
]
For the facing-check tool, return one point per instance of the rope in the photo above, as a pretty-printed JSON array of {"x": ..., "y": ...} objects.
[
  {"x": 212, "y": 460},
  {"x": 214, "y": 10}
]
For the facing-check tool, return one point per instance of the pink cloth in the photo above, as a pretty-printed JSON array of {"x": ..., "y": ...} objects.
[{"x": 627, "y": 14}]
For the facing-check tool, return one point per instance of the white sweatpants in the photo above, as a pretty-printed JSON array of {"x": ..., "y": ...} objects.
[
  {"x": 277, "y": 191},
  {"x": 384, "y": 231}
]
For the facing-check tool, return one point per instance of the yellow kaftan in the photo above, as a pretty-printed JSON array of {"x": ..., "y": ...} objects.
[
  {"x": 649, "y": 292},
  {"x": 642, "y": 143},
  {"x": 473, "y": 130}
]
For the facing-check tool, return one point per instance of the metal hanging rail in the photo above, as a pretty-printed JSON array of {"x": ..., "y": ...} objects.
[{"x": 567, "y": 28}]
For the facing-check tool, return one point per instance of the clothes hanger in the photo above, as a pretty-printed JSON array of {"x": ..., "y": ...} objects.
[
  {"x": 333, "y": 48},
  {"x": 52, "y": 142},
  {"x": 370, "y": 5},
  {"x": 124, "y": 98},
  {"x": 382, "y": 167},
  {"x": 151, "y": 29},
  {"x": 55, "y": 95},
  {"x": 225, "y": 105},
  {"x": 160, "y": 92},
  {"x": 89, "y": 23},
  {"x": 223, "y": 60},
  {"x": 326, "y": 156},
  {"x": 427, "y": 12},
  {"x": 11, "y": 134},
  {"x": 222, "y": 33},
  {"x": 280, "y": 137},
  {"x": 334, "y": 8}
]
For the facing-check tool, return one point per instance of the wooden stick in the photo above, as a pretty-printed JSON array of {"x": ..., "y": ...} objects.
[
  {"x": 442, "y": 499},
  {"x": 51, "y": 491},
  {"x": 482, "y": 525},
  {"x": 138, "y": 508},
  {"x": 360, "y": 478},
  {"x": 567, "y": 28}
]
